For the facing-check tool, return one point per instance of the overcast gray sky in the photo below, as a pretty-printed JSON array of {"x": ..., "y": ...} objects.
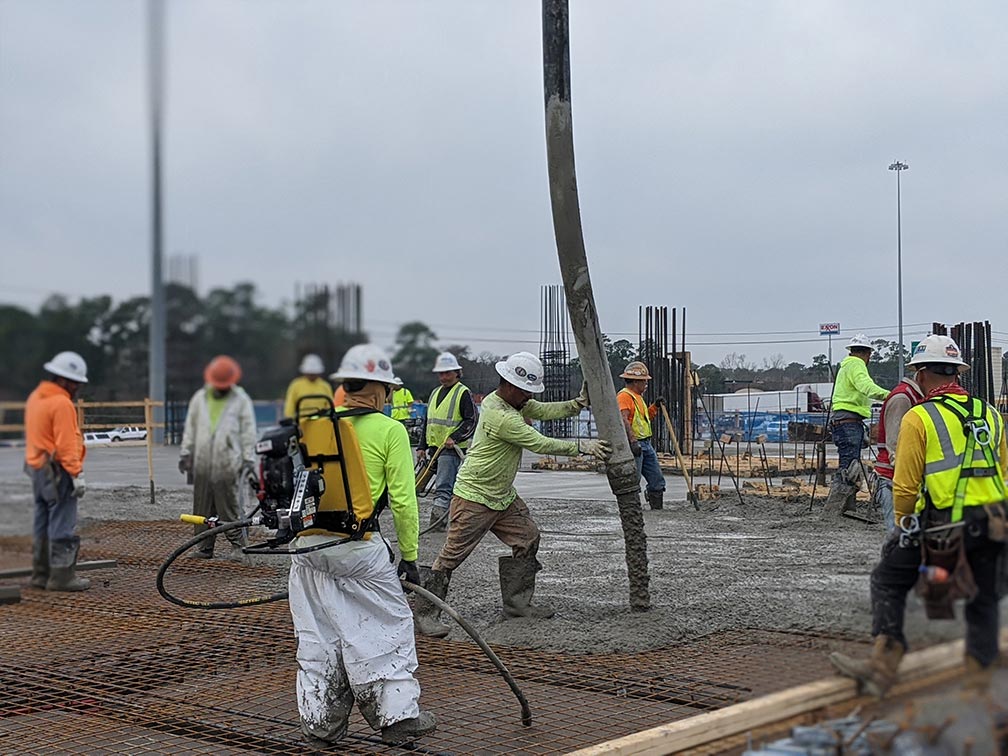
[{"x": 731, "y": 159}]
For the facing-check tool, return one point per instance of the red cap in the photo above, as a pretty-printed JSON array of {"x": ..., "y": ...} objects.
[{"x": 222, "y": 372}]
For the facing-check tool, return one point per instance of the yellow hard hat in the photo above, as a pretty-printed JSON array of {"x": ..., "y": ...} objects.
[{"x": 636, "y": 371}]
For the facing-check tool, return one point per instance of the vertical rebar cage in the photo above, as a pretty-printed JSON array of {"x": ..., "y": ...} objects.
[
  {"x": 554, "y": 350},
  {"x": 662, "y": 347}
]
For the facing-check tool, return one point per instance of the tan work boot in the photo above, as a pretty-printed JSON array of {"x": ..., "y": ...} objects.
[
  {"x": 978, "y": 678},
  {"x": 876, "y": 674}
]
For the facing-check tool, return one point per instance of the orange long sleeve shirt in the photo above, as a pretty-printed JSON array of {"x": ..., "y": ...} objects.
[{"x": 51, "y": 429}]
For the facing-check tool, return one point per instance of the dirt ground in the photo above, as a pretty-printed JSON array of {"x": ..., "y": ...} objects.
[{"x": 767, "y": 565}]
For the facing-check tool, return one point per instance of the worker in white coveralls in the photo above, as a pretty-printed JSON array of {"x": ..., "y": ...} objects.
[
  {"x": 353, "y": 625},
  {"x": 485, "y": 498},
  {"x": 218, "y": 448}
]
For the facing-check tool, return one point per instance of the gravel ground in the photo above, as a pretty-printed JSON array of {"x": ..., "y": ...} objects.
[{"x": 767, "y": 565}]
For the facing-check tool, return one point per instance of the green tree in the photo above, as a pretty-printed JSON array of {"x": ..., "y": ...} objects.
[{"x": 414, "y": 356}]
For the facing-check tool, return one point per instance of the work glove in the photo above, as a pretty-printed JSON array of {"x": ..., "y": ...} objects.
[
  {"x": 408, "y": 571},
  {"x": 635, "y": 448},
  {"x": 582, "y": 398},
  {"x": 596, "y": 447},
  {"x": 659, "y": 402},
  {"x": 185, "y": 464},
  {"x": 79, "y": 486}
]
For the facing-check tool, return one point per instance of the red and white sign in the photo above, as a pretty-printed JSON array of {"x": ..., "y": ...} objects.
[{"x": 829, "y": 329}]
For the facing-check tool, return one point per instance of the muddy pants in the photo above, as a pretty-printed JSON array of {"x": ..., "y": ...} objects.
[
  {"x": 883, "y": 497},
  {"x": 847, "y": 436},
  {"x": 55, "y": 520},
  {"x": 355, "y": 638},
  {"x": 896, "y": 574},
  {"x": 217, "y": 498},
  {"x": 469, "y": 521}
]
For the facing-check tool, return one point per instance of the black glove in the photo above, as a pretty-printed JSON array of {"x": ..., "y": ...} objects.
[
  {"x": 659, "y": 401},
  {"x": 635, "y": 448},
  {"x": 408, "y": 571},
  {"x": 185, "y": 464}
]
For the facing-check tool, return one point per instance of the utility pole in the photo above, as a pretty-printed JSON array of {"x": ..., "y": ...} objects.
[
  {"x": 621, "y": 469},
  {"x": 158, "y": 329},
  {"x": 899, "y": 167}
]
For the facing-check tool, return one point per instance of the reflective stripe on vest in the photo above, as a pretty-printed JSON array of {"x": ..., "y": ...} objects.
[
  {"x": 950, "y": 478},
  {"x": 402, "y": 401},
  {"x": 641, "y": 422},
  {"x": 443, "y": 419}
]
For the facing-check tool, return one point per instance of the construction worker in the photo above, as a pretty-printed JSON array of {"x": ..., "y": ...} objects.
[
  {"x": 637, "y": 416},
  {"x": 218, "y": 449},
  {"x": 451, "y": 421},
  {"x": 309, "y": 383},
  {"x": 906, "y": 394},
  {"x": 950, "y": 470},
  {"x": 354, "y": 627},
  {"x": 402, "y": 404},
  {"x": 853, "y": 393},
  {"x": 54, "y": 460},
  {"x": 485, "y": 498}
]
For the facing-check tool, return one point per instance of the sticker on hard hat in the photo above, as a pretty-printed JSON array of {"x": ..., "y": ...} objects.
[
  {"x": 370, "y": 366},
  {"x": 520, "y": 371},
  {"x": 922, "y": 347},
  {"x": 384, "y": 365},
  {"x": 951, "y": 351}
]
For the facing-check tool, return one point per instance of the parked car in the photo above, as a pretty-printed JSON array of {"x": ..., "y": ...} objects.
[
  {"x": 127, "y": 433},
  {"x": 90, "y": 439}
]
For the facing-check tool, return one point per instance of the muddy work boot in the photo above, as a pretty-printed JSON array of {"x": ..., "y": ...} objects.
[
  {"x": 438, "y": 520},
  {"x": 838, "y": 500},
  {"x": 426, "y": 614},
  {"x": 655, "y": 499},
  {"x": 40, "y": 564},
  {"x": 517, "y": 580},
  {"x": 407, "y": 730},
  {"x": 63, "y": 567},
  {"x": 876, "y": 674}
]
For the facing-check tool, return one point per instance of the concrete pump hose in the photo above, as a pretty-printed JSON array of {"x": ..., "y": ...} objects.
[{"x": 526, "y": 716}]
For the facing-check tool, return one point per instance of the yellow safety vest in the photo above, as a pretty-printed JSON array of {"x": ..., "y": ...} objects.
[
  {"x": 402, "y": 404},
  {"x": 445, "y": 418},
  {"x": 641, "y": 422},
  {"x": 953, "y": 478}
]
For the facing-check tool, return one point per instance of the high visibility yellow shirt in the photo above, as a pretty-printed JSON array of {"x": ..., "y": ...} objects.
[
  {"x": 930, "y": 450},
  {"x": 853, "y": 389},
  {"x": 303, "y": 386},
  {"x": 402, "y": 403}
]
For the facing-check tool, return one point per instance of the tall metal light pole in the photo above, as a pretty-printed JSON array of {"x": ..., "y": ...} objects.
[
  {"x": 899, "y": 167},
  {"x": 155, "y": 72}
]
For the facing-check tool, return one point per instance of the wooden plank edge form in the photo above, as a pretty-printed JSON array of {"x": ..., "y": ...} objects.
[{"x": 739, "y": 718}]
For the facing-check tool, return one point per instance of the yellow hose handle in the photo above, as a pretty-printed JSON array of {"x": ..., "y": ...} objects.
[{"x": 193, "y": 519}]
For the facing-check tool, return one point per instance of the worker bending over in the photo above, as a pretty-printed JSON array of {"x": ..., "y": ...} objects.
[
  {"x": 54, "y": 459},
  {"x": 354, "y": 628},
  {"x": 451, "y": 422},
  {"x": 637, "y": 416},
  {"x": 485, "y": 498},
  {"x": 950, "y": 470}
]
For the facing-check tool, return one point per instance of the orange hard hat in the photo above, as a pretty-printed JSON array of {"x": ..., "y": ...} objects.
[{"x": 222, "y": 372}]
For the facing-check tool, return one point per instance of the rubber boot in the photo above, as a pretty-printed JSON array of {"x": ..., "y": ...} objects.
[
  {"x": 427, "y": 615},
  {"x": 978, "y": 678},
  {"x": 438, "y": 520},
  {"x": 40, "y": 563},
  {"x": 407, "y": 730},
  {"x": 836, "y": 501},
  {"x": 654, "y": 499},
  {"x": 876, "y": 674},
  {"x": 517, "y": 580},
  {"x": 63, "y": 566}
]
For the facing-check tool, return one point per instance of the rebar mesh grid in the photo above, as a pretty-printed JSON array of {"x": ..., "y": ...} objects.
[{"x": 118, "y": 670}]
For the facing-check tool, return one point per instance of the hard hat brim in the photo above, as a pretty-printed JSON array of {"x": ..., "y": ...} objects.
[{"x": 340, "y": 377}]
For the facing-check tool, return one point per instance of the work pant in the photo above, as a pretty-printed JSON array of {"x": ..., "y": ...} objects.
[
  {"x": 847, "y": 436},
  {"x": 447, "y": 470},
  {"x": 469, "y": 521},
  {"x": 217, "y": 498},
  {"x": 647, "y": 465},
  {"x": 354, "y": 634},
  {"x": 55, "y": 519},
  {"x": 897, "y": 573},
  {"x": 883, "y": 497}
]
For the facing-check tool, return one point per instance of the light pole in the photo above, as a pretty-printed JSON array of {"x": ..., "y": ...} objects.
[{"x": 899, "y": 167}]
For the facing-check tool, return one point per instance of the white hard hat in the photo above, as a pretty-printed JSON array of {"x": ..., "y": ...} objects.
[
  {"x": 366, "y": 362},
  {"x": 938, "y": 350},
  {"x": 68, "y": 365},
  {"x": 445, "y": 362},
  {"x": 860, "y": 341},
  {"x": 311, "y": 364},
  {"x": 523, "y": 370}
]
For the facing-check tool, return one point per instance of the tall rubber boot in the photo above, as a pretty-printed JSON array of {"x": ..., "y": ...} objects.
[
  {"x": 876, "y": 674},
  {"x": 836, "y": 501},
  {"x": 655, "y": 499},
  {"x": 978, "y": 678},
  {"x": 40, "y": 563},
  {"x": 408, "y": 730},
  {"x": 517, "y": 580},
  {"x": 438, "y": 520},
  {"x": 427, "y": 615},
  {"x": 63, "y": 566}
]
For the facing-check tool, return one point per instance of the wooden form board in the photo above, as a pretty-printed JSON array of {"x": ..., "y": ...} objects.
[{"x": 735, "y": 720}]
